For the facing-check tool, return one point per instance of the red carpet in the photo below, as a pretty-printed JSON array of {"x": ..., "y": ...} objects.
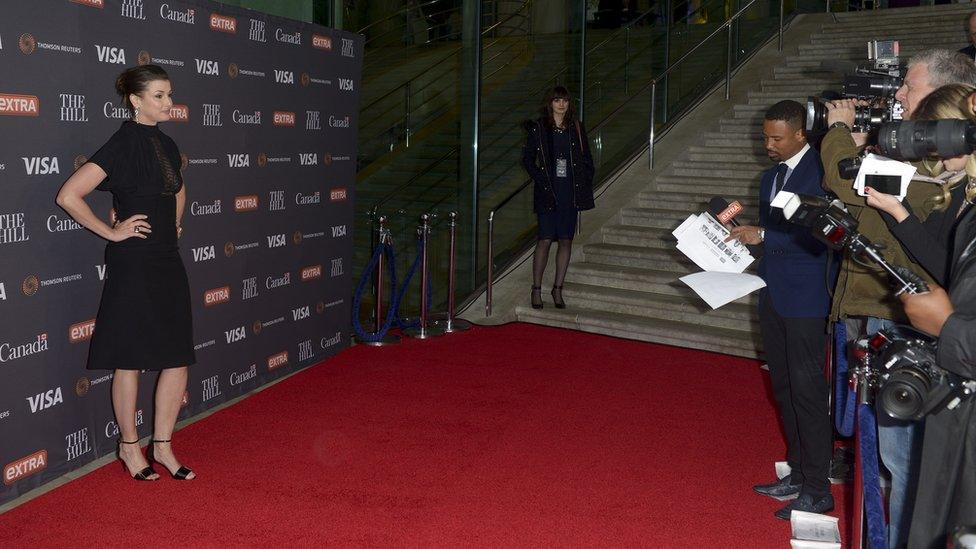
[{"x": 499, "y": 437}]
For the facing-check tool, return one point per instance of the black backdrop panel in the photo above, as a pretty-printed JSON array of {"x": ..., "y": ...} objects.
[{"x": 265, "y": 117}]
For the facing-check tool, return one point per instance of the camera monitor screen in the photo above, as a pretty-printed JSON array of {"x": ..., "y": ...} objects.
[{"x": 888, "y": 184}]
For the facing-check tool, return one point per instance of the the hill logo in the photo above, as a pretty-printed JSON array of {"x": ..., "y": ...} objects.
[{"x": 322, "y": 42}]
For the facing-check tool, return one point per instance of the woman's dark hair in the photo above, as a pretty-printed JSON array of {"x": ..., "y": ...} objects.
[
  {"x": 135, "y": 80},
  {"x": 559, "y": 92}
]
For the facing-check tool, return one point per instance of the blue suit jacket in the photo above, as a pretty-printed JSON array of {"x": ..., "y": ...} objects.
[{"x": 794, "y": 263}]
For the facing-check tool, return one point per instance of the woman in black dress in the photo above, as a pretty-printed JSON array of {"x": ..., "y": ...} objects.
[
  {"x": 557, "y": 157},
  {"x": 143, "y": 320}
]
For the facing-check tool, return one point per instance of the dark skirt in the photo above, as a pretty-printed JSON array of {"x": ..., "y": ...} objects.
[
  {"x": 557, "y": 225},
  {"x": 144, "y": 320}
]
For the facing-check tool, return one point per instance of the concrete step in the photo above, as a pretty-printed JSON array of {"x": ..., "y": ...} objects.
[
  {"x": 733, "y": 316},
  {"x": 714, "y": 170},
  {"x": 629, "y": 235},
  {"x": 689, "y": 202},
  {"x": 661, "y": 218},
  {"x": 635, "y": 256},
  {"x": 680, "y": 334}
]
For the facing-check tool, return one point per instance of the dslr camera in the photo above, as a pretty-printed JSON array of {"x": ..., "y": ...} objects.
[
  {"x": 899, "y": 364},
  {"x": 876, "y": 81}
]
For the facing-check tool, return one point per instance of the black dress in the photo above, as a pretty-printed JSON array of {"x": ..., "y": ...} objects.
[
  {"x": 561, "y": 223},
  {"x": 143, "y": 320}
]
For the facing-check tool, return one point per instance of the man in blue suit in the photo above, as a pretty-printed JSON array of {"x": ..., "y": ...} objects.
[{"x": 793, "y": 310}]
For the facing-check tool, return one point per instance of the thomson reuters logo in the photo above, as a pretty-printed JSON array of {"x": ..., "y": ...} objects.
[
  {"x": 257, "y": 327},
  {"x": 223, "y": 23},
  {"x": 30, "y": 285},
  {"x": 297, "y": 238},
  {"x": 81, "y": 331},
  {"x": 80, "y": 161},
  {"x": 284, "y": 118},
  {"x": 322, "y": 42},
  {"x": 216, "y": 296},
  {"x": 27, "y": 466},
  {"x": 311, "y": 272},
  {"x": 19, "y": 105},
  {"x": 247, "y": 203},
  {"x": 27, "y": 43},
  {"x": 82, "y": 386},
  {"x": 143, "y": 58},
  {"x": 338, "y": 194},
  {"x": 277, "y": 360},
  {"x": 233, "y": 70},
  {"x": 179, "y": 113}
]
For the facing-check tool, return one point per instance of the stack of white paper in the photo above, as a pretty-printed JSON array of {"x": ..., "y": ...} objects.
[
  {"x": 702, "y": 239},
  {"x": 813, "y": 531}
]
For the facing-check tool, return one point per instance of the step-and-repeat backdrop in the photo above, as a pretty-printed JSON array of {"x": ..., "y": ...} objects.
[{"x": 265, "y": 116}]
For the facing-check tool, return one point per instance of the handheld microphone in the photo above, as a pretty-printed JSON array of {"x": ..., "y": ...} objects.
[{"x": 723, "y": 211}]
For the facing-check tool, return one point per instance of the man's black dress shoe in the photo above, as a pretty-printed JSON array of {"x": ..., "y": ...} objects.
[
  {"x": 781, "y": 489},
  {"x": 807, "y": 503}
]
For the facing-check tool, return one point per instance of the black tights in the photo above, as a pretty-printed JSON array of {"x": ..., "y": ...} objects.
[{"x": 541, "y": 258}]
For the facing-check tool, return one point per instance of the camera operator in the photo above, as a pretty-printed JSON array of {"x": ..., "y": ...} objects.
[
  {"x": 792, "y": 313},
  {"x": 970, "y": 50},
  {"x": 862, "y": 297},
  {"x": 946, "y": 497}
]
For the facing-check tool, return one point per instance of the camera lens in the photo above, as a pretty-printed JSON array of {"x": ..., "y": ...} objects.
[
  {"x": 914, "y": 140},
  {"x": 816, "y": 115},
  {"x": 903, "y": 394}
]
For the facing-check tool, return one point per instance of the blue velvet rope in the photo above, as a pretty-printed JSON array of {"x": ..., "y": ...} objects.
[
  {"x": 873, "y": 503},
  {"x": 845, "y": 398},
  {"x": 361, "y": 334}
]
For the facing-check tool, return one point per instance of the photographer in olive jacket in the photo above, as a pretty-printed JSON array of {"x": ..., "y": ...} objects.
[{"x": 863, "y": 297}]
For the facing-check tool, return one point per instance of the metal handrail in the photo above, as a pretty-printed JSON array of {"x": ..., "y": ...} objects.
[{"x": 652, "y": 84}]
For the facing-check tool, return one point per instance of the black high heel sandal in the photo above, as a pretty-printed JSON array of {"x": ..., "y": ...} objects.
[
  {"x": 180, "y": 473},
  {"x": 536, "y": 292},
  {"x": 558, "y": 302},
  {"x": 141, "y": 475}
]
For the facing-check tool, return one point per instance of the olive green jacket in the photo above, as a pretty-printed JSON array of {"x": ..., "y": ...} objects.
[{"x": 863, "y": 291}]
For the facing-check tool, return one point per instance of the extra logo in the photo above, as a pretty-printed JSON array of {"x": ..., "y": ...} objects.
[
  {"x": 41, "y": 165},
  {"x": 204, "y": 253},
  {"x": 284, "y": 118},
  {"x": 248, "y": 203},
  {"x": 110, "y": 54},
  {"x": 312, "y": 272},
  {"x": 207, "y": 67},
  {"x": 19, "y": 105},
  {"x": 277, "y": 360},
  {"x": 100, "y": 4},
  {"x": 179, "y": 113},
  {"x": 216, "y": 296},
  {"x": 25, "y": 466},
  {"x": 338, "y": 194},
  {"x": 322, "y": 42},
  {"x": 45, "y": 400},
  {"x": 81, "y": 331},
  {"x": 223, "y": 23}
]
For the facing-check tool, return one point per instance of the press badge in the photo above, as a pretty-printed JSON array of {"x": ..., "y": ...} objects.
[{"x": 561, "y": 167}]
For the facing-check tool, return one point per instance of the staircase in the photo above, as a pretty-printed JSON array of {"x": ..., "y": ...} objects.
[{"x": 624, "y": 278}]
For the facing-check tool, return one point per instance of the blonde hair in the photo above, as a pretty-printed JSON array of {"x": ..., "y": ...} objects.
[{"x": 948, "y": 102}]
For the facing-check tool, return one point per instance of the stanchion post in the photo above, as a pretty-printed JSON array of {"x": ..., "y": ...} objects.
[
  {"x": 490, "y": 265},
  {"x": 426, "y": 328},
  {"x": 378, "y": 279},
  {"x": 450, "y": 324}
]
